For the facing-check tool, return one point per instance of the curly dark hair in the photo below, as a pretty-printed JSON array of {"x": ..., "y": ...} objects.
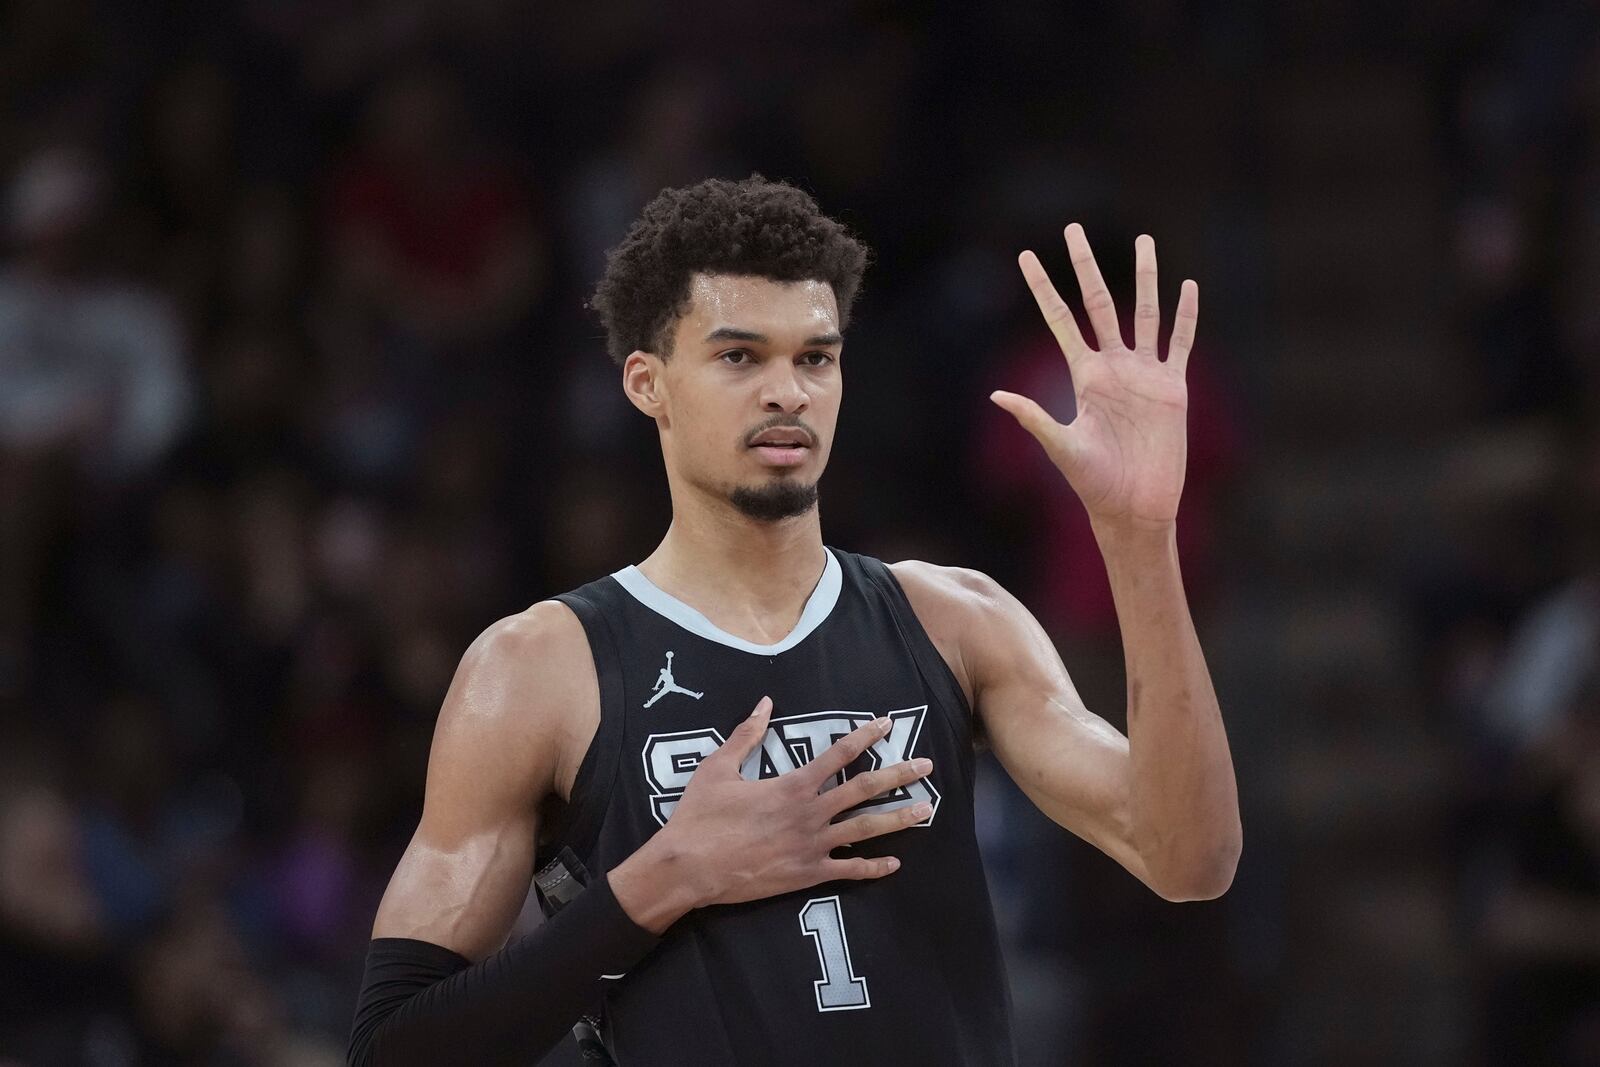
[{"x": 754, "y": 226}]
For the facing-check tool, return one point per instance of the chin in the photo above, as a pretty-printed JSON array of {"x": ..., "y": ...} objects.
[{"x": 781, "y": 498}]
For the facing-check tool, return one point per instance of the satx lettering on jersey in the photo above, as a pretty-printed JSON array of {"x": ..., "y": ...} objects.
[{"x": 791, "y": 742}]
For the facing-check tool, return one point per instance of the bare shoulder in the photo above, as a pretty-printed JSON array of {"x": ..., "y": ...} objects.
[
  {"x": 526, "y": 640},
  {"x": 951, "y": 603},
  {"x": 940, "y": 593},
  {"x": 501, "y": 746},
  {"x": 527, "y": 685}
]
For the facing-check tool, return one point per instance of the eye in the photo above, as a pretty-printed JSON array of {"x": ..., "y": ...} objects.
[
  {"x": 826, "y": 358},
  {"x": 735, "y": 352}
]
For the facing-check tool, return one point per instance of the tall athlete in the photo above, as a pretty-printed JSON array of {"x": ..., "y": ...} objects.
[{"x": 799, "y": 884}]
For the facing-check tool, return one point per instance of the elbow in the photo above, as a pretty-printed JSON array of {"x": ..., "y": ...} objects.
[
  {"x": 1209, "y": 886},
  {"x": 1203, "y": 877}
]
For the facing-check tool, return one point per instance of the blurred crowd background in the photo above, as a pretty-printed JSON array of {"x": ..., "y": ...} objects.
[{"x": 298, "y": 392}]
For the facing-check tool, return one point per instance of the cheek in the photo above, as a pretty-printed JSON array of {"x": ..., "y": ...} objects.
[
  {"x": 707, "y": 429},
  {"x": 825, "y": 416}
]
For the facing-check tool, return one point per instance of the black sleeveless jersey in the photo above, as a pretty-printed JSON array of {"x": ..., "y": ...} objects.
[{"x": 905, "y": 969}]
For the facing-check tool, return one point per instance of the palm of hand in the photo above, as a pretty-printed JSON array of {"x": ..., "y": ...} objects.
[{"x": 1126, "y": 451}]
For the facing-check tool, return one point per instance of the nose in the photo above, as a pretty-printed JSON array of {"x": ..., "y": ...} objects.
[{"x": 783, "y": 388}]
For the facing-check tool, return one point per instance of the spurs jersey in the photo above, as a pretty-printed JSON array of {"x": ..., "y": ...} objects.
[{"x": 903, "y": 969}]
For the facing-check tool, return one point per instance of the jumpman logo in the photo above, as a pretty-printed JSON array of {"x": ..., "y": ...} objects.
[{"x": 665, "y": 684}]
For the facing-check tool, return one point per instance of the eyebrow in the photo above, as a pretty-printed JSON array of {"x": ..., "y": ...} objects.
[{"x": 729, "y": 333}]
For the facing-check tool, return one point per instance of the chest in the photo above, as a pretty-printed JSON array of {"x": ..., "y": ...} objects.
[{"x": 681, "y": 707}]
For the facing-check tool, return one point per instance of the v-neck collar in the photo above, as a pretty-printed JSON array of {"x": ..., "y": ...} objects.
[{"x": 818, "y": 607}]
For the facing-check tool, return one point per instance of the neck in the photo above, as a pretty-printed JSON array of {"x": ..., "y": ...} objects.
[{"x": 750, "y": 578}]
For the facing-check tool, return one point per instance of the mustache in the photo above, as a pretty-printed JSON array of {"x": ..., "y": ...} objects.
[{"x": 784, "y": 423}]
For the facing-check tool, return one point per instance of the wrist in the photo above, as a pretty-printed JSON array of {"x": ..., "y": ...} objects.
[
  {"x": 1134, "y": 536},
  {"x": 653, "y": 885}
]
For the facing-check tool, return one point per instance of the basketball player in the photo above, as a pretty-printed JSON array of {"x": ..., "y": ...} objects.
[{"x": 800, "y": 883}]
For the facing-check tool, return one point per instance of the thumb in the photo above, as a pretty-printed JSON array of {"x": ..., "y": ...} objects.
[
  {"x": 1038, "y": 422},
  {"x": 745, "y": 737},
  {"x": 1033, "y": 418}
]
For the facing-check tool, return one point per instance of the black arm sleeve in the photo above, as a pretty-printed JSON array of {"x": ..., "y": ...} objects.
[{"x": 423, "y": 1004}]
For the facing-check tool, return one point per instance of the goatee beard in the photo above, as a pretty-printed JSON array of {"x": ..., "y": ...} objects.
[{"x": 777, "y": 500}]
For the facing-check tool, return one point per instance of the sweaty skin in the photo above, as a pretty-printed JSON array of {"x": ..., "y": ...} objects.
[{"x": 751, "y": 354}]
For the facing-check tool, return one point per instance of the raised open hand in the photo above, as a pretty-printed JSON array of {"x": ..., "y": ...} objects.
[{"x": 1125, "y": 452}]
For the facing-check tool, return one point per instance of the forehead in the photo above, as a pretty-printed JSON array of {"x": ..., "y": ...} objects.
[{"x": 758, "y": 304}]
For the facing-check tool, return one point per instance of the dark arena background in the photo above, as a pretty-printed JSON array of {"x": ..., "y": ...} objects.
[{"x": 298, "y": 392}]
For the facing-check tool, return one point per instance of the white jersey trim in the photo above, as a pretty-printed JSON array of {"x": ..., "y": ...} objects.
[{"x": 818, "y": 607}]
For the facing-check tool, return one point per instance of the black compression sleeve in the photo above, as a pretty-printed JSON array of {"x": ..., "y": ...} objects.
[{"x": 422, "y": 1004}]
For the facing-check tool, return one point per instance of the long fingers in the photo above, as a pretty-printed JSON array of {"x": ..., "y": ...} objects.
[
  {"x": 1183, "y": 325},
  {"x": 858, "y": 867},
  {"x": 1054, "y": 309},
  {"x": 860, "y": 827},
  {"x": 865, "y": 786},
  {"x": 1146, "y": 310},
  {"x": 1096, "y": 297},
  {"x": 725, "y": 761},
  {"x": 843, "y": 752}
]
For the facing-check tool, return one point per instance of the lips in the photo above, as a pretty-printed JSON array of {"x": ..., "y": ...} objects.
[
  {"x": 783, "y": 437},
  {"x": 781, "y": 455}
]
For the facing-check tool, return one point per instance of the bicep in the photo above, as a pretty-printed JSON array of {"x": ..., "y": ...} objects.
[
  {"x": 465, "y": 874},
  {"x": 459, "y": 891},
  {"x": 1070, "y": 762}
]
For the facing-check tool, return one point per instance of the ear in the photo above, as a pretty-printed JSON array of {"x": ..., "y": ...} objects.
[{"x": 642, "y": 380}]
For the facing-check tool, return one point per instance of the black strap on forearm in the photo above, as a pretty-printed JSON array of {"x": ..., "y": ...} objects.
[{"x": 422, "y": 1004}]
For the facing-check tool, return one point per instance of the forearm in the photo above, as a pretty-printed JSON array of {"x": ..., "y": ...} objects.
[
  {"x": 1182, "y": 795},
  {"x": 423, "y": 1004},
  {"x": 654, "y": 885}
]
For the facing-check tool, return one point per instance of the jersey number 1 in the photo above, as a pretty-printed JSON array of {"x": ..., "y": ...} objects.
[{"x": 839, "y": 988}]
